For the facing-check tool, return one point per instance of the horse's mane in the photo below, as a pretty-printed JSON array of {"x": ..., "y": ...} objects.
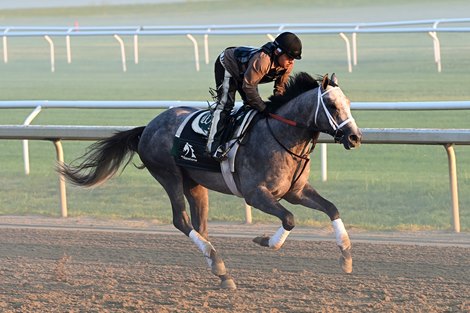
[{"x": 296, "y": 85}]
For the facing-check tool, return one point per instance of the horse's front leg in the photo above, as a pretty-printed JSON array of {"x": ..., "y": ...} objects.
[
  {"x": 310, "y": 198},
  {"x": 263, "y": 200}
]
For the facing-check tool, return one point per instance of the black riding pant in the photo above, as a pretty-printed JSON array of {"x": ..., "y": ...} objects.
[{"x": 226, "y": 86}]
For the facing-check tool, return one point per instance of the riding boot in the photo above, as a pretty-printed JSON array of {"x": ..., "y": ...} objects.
[
  {"x": 215, "y": 145},
  {"x": 218, "y": 151}
]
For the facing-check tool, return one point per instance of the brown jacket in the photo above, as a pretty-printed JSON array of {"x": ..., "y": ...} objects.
[{"x": 255, "y": 72}]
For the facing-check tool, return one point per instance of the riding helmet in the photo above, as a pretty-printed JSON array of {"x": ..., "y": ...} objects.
[{"x": 290, "y": 44}]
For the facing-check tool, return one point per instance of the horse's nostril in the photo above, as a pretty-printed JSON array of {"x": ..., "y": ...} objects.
[{"x": 354, "y": 138}]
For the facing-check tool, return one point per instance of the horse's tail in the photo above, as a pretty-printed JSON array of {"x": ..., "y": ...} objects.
[{"x": 103, "y": 159}]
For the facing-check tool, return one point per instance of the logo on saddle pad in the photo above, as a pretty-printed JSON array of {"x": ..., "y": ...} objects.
[
  {"x": 188, "y": 152},
  {"x": 189, "y": 145},
  {"x": 202, "y": 123}
]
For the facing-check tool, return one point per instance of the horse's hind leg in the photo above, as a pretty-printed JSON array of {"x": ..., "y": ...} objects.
[
  {"x": 310, "y": 198},
  {"x": 172, "y": 182},
  {"x": 198, "y": 200}
]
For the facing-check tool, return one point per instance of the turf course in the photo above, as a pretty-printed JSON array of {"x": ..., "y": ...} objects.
[{"x": 375, "y": 187}]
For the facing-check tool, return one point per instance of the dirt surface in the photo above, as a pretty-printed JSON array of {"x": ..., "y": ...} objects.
[{"x": 82, "y": 265}]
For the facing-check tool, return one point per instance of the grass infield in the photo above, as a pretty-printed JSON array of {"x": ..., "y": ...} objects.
[{"x": 375, "y": 187}]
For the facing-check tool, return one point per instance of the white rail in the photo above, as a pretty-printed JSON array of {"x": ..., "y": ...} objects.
[
  {"x": 44, "y": 104},
  {"x": 448, "y": 138},
  {"x": 341, "y": 29},
  {"x": 165, "y": 104}
]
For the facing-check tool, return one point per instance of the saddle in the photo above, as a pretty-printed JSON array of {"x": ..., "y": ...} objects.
[{"x": 189, "y": 143}]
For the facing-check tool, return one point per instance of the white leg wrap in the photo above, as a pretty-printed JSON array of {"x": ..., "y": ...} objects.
[
  {"x": 277, "y": 240},
  {"x": 342, "y": 238},
  {"x": 203, "y": 245}
]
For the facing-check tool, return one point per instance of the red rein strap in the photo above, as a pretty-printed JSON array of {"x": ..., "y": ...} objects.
[
  {"x": 302, "y": 157},
  {"x": 287, "y": 121},
  {"x": 295, "y": 124}
]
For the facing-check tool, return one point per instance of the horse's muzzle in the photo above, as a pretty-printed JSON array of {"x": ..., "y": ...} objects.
[
  {"x": 349, "y": 139},
  {"x": 352, "y": 140}
]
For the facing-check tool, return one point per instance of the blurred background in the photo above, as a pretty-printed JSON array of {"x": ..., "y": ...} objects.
[{"x": 376, "y": 187}]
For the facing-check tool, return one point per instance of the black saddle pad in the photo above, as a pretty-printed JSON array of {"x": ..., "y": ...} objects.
[
  {"x": 189, "y": 149},
  {"x": 189, "y": 145}
]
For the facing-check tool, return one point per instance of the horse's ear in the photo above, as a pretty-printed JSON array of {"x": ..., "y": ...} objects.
[
  {"x": 324, "y": 82},
  {"x": 334, "y": 79}
]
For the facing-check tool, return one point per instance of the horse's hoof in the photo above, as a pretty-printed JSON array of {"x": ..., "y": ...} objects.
[
  {"x": 262, "y": 241},
  {"x": 228, "y": 284},
  {"x": 346, "y": 260},
  {"x": 346, "y": 264}
]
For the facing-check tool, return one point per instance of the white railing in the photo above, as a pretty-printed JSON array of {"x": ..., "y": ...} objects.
[
  {"x": 39, "y": 105},
  {"x": 165, "y": 104},
  {"x": 447, "y": 138},
  {"x": 432, "y": 28}
]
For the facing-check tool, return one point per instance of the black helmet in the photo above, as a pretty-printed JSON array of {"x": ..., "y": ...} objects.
[{"x": 290, "y": 44}]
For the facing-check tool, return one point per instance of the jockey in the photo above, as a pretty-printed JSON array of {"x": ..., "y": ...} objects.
[{"x": 242, "y": 69}]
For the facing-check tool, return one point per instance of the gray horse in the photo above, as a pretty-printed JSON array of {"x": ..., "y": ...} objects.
[{"x": 270, "y": 165}]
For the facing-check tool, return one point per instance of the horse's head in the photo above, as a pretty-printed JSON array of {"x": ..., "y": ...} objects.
[{"x": 333, "y": 114}]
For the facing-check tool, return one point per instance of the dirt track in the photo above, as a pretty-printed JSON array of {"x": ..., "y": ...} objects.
[{"x": 45, "y": 269}]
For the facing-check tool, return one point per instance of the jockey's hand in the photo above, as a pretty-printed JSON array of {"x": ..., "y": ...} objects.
[{"x": 265, "y": 112}]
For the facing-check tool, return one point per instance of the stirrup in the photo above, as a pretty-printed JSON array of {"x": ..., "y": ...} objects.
[{"x": 220, "y": 154}]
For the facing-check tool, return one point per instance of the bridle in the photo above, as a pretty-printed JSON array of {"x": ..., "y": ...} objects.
[{"x": 336, "y": 131}]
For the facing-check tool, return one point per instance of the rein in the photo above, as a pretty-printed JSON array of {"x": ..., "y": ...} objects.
[
  {"x": 304, "y": 156},
  {"x": 336, "y": 132},
  {"x": 287, "y": 121}
]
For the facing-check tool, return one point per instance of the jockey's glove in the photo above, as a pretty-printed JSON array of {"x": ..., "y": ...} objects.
[{"x": 265, "y": 112}]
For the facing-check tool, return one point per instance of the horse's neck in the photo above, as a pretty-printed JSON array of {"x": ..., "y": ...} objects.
[{"x": 301, "y": 110}]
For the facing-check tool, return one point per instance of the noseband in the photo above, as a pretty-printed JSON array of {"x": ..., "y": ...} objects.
[{"x": 336, "y": 131}]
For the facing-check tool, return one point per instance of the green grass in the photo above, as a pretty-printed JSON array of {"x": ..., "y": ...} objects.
[{"x": 375, "y": 187}]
